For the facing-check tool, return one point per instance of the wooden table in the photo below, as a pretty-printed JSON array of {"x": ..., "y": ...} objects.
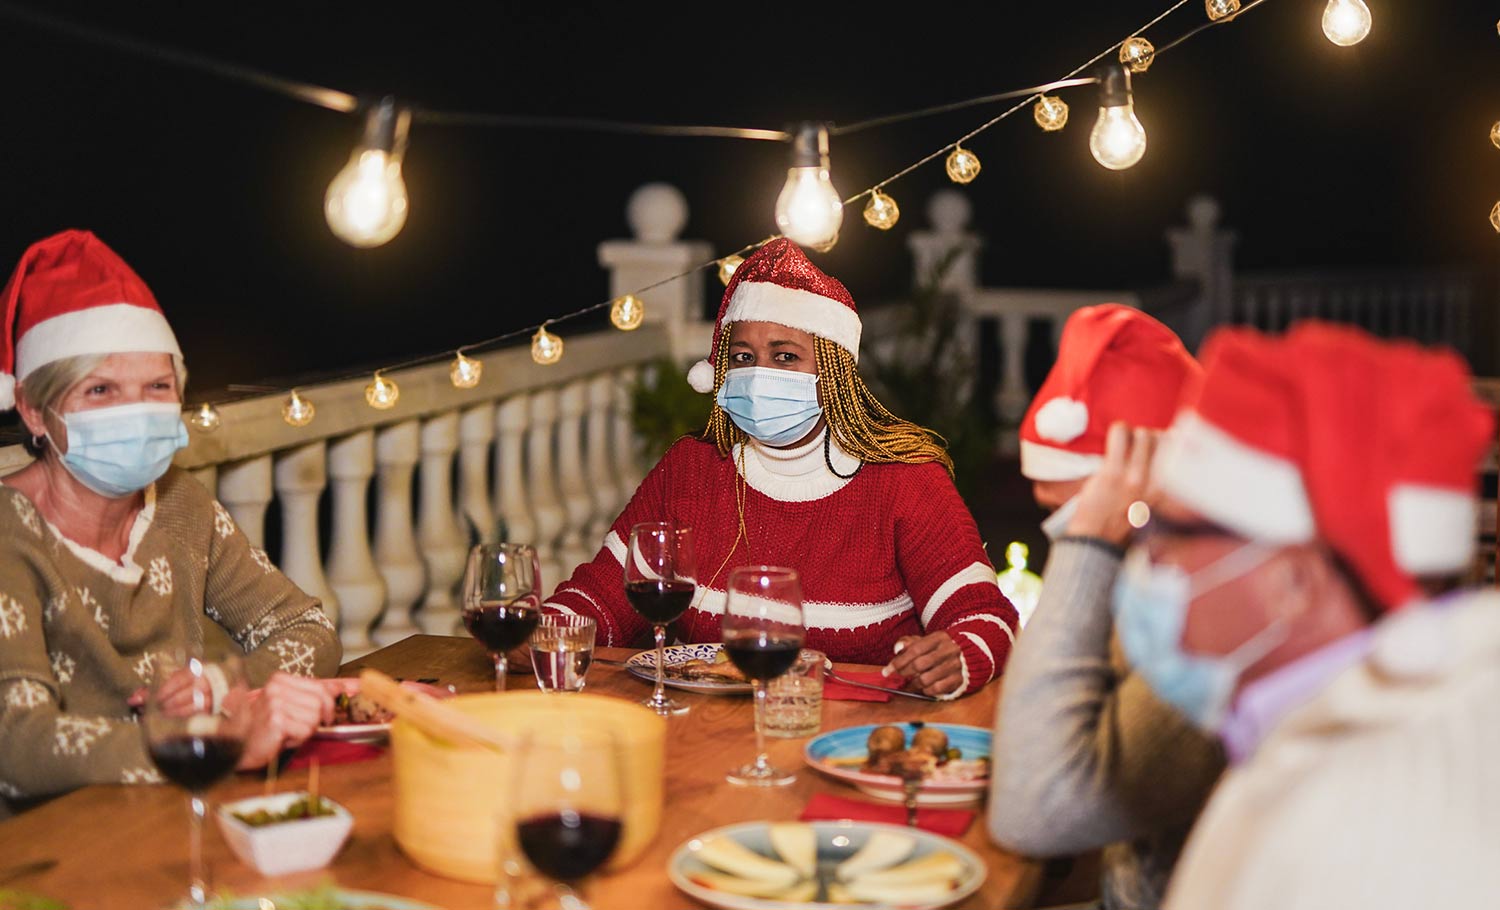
[{"x": 126, "y": 846}]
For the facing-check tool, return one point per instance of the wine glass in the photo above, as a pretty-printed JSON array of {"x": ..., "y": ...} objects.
[
  {"x": 763, "y": 635},
  {"x": 193, "y": 740},
  {"x": 502, "y": 598},
  {"x": 660, "y": 577},
  {"x": 569, "y": 806}
]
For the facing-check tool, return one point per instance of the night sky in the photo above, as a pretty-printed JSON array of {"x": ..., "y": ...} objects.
[{"x": 1373, "y": 156}]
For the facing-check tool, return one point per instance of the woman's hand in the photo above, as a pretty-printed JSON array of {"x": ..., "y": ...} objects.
[
  {"x": 283, "y": 715},
  {"x": 1121, "y": 480},
  {"x": 930, "y": 664}
]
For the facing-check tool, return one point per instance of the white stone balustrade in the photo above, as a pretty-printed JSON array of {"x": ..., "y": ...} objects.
[
  {"x": 397, "y": 450},
  {"x": 572, "y": 481},
  {"x": 512, "y": 504},
  {"x": 246, "y": 490},
  {"x": 476, "y": 433},
  {"x": 351, "y": 568},
  {"x": 541, "y": 472},
  {"x": 608, "y": 498},
  {"x": 300, "y": 475},
  {"x": 444, "y": 545}
]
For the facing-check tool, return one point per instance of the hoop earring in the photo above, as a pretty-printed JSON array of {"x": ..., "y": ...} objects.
[{"x": 38, "y": 442}]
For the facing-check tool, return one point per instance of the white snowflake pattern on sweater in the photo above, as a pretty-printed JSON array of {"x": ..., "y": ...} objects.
[
  {"x": 76, "y": 735},
  {"x": 160, "y": 578},
  {"x": 63, "y": 667},
  {"x": 145, "y": 668},
  {"x": 86, "y": 598},
  {"x": 262, "y": 560},
  {"x": 257, "y": 632},
  {"x": 317, "y": 615},
  {"x": 12, "y": 617},
  {"x": 56, "y": 606},
  {"x": 296, "y": 657},
  {"x": 27, "y": 694},
  {"x": 27, "y": 513},
  {"x": 223, "y": 522},
  {"x": 141, "y": 776}
]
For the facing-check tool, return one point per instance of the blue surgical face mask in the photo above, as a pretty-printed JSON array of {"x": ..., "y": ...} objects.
[
  {"x": 1150, "y": 606},
  {"x": 120, "y": 450},
  {"x": 777, "y": 407}
]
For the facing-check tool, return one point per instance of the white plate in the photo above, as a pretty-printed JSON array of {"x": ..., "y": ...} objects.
[
  {"x": 353, "y": 900},
  {"x": 643, "y": 666},
  {"x": 372, "y": 732},
  {"x": 849, "y": 742},
  {"x": 837, "y": 840}
]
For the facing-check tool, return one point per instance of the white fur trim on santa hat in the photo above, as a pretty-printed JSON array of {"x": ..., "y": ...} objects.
[
  {"x": 701, "y": 377},
  {"x": 1432, "y": 529},
  {"x": 116, "y": 328},
  {"x": 1039, "y": 462},
  {"x": 1062, "y": 419},
  {"x": 1245, "y": 489},
  {"x": 764, "y": 301},
  {"x": 7, "y": 391}
]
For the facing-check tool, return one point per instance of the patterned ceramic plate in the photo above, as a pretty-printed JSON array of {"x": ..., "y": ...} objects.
[
  {"x": 345, "y": 900},
  {"x": 372, "y": 732},
  {"x": 643, "y": 666},
  {"x": 838, "y": 753}
]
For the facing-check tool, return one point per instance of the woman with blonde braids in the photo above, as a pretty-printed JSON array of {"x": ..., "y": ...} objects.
[{"x": 801, "y": 466}]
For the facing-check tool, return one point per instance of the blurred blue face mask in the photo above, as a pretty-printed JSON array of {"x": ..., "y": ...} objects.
[
  {"x": 123, "y": 449},
  {"x": 777, "y": 407},
  {"x": 1150, "y": 606}
]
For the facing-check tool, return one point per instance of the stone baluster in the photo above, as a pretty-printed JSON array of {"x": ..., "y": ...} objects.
[
  {"x": 396, "y": 452},
  {"x": 511, "y": 495},
  {"x": 608, "y": 501},
  {"x": 476, "y": 430},
  {"x": 351, "y": 569},
  {"x": 208, "y": 476},
  {"x": 541, "y": 482},
  {"x": 1012, "y": 397},
  {"x": 301, "y": 474},
  {"x": 245, "y": 490},
  {"x": 573, "y": 484},
  {"x": 1204, "y": 252},
  {"x": 627, "y": 471},
  {"x": 444, "y": 546}
]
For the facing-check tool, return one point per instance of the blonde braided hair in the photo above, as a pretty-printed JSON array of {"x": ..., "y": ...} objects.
[{"x": 857, "y": 419}]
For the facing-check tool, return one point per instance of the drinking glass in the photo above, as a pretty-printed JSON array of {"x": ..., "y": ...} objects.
[
  {"x": 562, "y": 648},
  {"x": 193, "y": 740},
  {"x": 763, "y": 636},
  {"x": 568, "y": 806},
  {"x": 661, "y": 575},
  {"x": 502, "y": 598},
  {"x": 794, "y": 700}
]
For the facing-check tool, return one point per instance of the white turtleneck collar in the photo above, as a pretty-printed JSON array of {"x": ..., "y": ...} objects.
[{"x": 797, "y": 474}]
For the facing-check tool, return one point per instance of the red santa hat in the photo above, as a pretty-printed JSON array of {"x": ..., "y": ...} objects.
[
  {"x": 779, "y": 284},
  {"x": 1327, "y": 434},
  {"x": 1113, "y": 363},
  {"x": 71, "y": 295}
]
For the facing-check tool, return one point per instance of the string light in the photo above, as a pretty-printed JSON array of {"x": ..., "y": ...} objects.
[
  {"x": 297, "y": 411},
  {"x": 962, "y": 165},
  {"x": 1346, "y": 22},
  {"x": 546, "y": 348},
  {"x": 1137, "y": 53},
  {"x": 465, "y": 371},
  {"x": 206, "y": 418},
  {"x": 382, "y": 393},
  {"x": 809, "y": 210},
  {"x": 727, "y": 265},
  {"x": 1118, "y": 140},
  {"x": 366, "y": 203},
  {"x": 1050, "y": 113},
  {"x": 826, "y": 245},
  {"x": 1219, "y": 9},
  {"x": 627, "y": 313},
  {"x": 881, "y": 211},
  {"x": 1495, "y": 217},
  {"x": 1495, "y": 134}
]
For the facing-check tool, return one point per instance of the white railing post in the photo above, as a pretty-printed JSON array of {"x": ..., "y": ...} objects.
[
  {"x": 541, "y": 481},
  {"x": 301, "y": 474},
  {"x": 245, "y": 490},
  {"x": 444, "y": 546},
  {"x": 476, "y": 430},
  {"x": 949, "y": 212},
  {"x": 572, "y": 484},
  {"x": 396, "y": 452},
  {"x": 351, "y": 570},
  {"x": 511, "y": 499},
  {"x": 607, "y": 496},
  {"x": 1013, "y": 395},
  {"x": 1204, "y": 252},
  {"x": 627, "y": 470}
]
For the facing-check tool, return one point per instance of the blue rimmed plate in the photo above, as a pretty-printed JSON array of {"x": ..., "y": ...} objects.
[
  {"x": 643, "y": 666},
  {"x": 344, "y": 899},
  {"x": 840, "y": 753}
]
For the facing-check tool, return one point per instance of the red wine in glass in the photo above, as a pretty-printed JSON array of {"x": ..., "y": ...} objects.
[
  {"x": 763, "y": 632},
  {"x": 660, "y": 578},
  {"x": 567, "y": 846},
  {"x": 502, "y": 591},
  {"x": 760, "y": 657},
  {"x": 196, "y": 762},
  {"x": 660, "y": 601},
  {"x": 501, "y": 626},
  {"x": 568, "y": 804}
]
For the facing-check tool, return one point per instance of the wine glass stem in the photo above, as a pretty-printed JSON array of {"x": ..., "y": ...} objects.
[
  {"x": 661, "y": 647},
  {"x": 197, "y": 884},
  {"x": 500, "y": 672},
  {"x": 761, "y": 763}
]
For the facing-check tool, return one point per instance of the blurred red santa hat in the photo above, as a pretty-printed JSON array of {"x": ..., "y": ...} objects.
[
  {"x": 1113, "y": 363},
  {"x": 1326, "y": 433}
]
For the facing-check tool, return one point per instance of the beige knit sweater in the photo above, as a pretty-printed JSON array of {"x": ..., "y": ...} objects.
[{"x": 79, "y": 632}]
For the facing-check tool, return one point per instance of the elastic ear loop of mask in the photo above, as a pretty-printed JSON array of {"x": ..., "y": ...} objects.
[{"x": 1226, "y": 569}]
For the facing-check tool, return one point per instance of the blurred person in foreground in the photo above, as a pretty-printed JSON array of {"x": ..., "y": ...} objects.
[
  {"x": 1315, "y": 497},
  {"x": 801, "y": 466},
  {"x": 1088, "y": 757},
  {"x": 109, "y": 556}
]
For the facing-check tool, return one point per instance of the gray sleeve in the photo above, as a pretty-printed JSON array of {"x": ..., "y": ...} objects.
[{"x": 1085, "y": 754}]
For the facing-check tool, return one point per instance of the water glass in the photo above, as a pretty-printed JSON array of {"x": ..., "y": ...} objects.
[
  {"x": 562, "y": 647},
  {"x": 794, "y": 700}
]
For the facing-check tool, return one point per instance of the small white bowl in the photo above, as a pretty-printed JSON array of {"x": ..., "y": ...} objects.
[{"x": 284, "y": 847}]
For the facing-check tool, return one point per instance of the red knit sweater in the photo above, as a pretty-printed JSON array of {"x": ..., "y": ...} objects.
[{"x": 891, "y": 552}]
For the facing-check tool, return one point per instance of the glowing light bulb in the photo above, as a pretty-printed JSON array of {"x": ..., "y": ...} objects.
[
  {"x": 366, "y": 202},
  {"x": 826, "y": 245},
  {"x": 809, "y": 210},
  {"x": 962, "y": 165},
  {"x": 1219, "y": 9},
  {"x": 1118, "y": 140},
  {"x": 298, "y": 411},
  {"x": 546, "y": 348},
  {"x": 627, "y": 313},
  {"x": 881, "y": 211},
  {"x": 1050, "y": 113},
  {"x": 206, "y": 418},
  {"x": 382, "y": 393},
  {"x": 727, "y": 265},
  {"x": 1021, "y": 586},
  {"x": 1495, "y": 134},
  {"x": 1137, "y": 53},
  {"x": 1495, "y": 217},
  {"x": 1346, "y": 22},
  {"x": 465, "y": 372}
]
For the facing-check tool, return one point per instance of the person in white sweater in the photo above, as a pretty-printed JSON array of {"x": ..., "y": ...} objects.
[{"x": 1312, "y": 498}]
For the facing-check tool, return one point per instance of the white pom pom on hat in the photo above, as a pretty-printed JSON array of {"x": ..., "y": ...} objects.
[
  {"x": 1062, "y": 419},
  {"x": 701, "y": 377}
]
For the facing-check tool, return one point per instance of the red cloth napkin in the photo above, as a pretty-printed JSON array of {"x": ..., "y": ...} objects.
[
  {"x": 837, "y": 691},
  {"x": 826, "y": 806},
  {"x": 332, "y": 752}
]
